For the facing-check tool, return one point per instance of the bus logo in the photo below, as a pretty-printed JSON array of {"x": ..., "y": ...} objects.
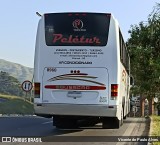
[{"x": 77, "y": 24}]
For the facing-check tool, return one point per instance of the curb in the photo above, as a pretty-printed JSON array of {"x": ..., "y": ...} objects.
[
  {"x": 150, "y": 130},
  {"x": 151, "y": 127}
]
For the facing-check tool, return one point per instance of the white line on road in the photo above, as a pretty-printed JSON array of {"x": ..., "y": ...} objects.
[
  {"x": 47, "y": 122},
  {"x": 128, "y": 131}
]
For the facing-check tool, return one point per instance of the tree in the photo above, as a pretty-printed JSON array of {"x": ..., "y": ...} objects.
[
  {"x": 10, "y": 85},
  {"x": 144, "y": 48}
]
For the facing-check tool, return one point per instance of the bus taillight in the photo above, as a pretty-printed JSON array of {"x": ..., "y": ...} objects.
[
  {"x": 36, "y": 90},
  {"x": 114, "y": 90}
]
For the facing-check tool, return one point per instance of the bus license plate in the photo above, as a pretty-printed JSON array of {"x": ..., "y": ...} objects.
[{"x": 74, "y": 94}]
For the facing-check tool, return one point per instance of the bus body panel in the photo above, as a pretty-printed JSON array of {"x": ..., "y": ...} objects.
[
  {"x": 75, "y": 85},
  {"x": 72, "y": 94},
  {"x": 76, "y": 110}
]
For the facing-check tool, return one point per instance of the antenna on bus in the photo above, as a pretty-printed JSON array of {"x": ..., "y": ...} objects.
[{"x": 38, "y": 14}]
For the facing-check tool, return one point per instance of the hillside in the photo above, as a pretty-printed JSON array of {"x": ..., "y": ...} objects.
[
  {"x": 10, "y": 85},
  {"x": 15, "y": 105},
  {"x": 16, "y": 70}
]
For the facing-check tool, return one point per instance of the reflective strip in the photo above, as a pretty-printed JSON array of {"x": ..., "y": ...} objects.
[{"x": 75, "y": 87}]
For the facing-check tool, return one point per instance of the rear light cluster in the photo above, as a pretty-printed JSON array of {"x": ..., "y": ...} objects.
[
  {"x": 37, "y": 90},
  {"x": 114, "y": 91}
]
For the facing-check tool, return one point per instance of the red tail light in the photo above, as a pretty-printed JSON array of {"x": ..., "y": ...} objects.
[
  {"x": 37, "y": 90},
  {"x": 114, "y": 90}
]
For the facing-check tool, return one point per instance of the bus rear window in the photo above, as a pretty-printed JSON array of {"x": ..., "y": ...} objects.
[{"x": 76, "y": 29}]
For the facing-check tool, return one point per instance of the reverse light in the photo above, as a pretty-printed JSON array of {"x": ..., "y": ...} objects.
[{"x": 36, "y": 90}]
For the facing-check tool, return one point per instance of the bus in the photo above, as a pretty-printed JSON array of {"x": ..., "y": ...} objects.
[{"x": 81, "y": 69}]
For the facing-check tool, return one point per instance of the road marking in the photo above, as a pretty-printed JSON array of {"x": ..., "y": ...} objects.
[
  {"x": 47, "y": 122},
  {"x": 130, "y": 128},
  {"x": 128, "y": 131}
]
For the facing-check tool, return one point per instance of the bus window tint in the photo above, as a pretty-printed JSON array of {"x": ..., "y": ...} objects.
[{"x": 64, "y": 29}]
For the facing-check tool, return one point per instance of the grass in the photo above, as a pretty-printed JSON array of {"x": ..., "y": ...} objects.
[
  {"x": 9, "y": 97},
  {"x": 156, "y": 127},
  {"x": 15, "y": 105},
  {"x": 14, "y": 97}
]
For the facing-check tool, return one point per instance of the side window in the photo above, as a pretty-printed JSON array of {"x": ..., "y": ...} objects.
[
  {"x": 124, "y": 56},
  {"x": 121, "y": 46}
]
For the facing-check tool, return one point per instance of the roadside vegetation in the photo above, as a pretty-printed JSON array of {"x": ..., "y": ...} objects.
[
  {"x": 155, "y": 127},
  {"x": 10, "y": 85},
  {"x": 15, "y": 105},
  {"x": 13, "y": 99},
  {"x": 144, "y": 49}
]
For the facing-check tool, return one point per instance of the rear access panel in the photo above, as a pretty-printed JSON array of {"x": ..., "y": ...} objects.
[{"x": 75, "y": 85}]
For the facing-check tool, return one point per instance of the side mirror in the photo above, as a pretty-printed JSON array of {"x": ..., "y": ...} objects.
[{"x": 131, "y": 81}]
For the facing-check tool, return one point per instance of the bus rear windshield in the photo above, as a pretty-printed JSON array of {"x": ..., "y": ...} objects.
[{"x": 76, "y": 29}]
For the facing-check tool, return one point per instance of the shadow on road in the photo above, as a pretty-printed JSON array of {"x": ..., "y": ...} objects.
[
  {"x": 57, "y": 131},
  {"x": 67, "y": 135},
  {"x": 147, "y": 127}
]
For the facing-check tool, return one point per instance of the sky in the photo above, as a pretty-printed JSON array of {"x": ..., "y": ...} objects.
[{"x": 18, "y": 21}]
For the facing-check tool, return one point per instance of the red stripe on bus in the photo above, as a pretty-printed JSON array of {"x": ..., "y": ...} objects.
[{"x": 75, "y": 87}]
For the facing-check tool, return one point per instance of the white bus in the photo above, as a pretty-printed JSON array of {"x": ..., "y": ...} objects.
[{"x": 81, "y": 69}]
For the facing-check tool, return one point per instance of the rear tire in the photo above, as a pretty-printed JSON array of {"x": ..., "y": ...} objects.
[
  {"x": 125, "y": 117},
  {"x": 110, "y": 123},
  {"x": 88, "y": 122}
]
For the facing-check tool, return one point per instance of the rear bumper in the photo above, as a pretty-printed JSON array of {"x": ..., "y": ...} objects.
[{"x": 75, "y": 110}]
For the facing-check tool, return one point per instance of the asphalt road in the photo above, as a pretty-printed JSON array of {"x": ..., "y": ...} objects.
[
  {"x": 42, "y": 127},
  {"x": 25, "y": 126}
]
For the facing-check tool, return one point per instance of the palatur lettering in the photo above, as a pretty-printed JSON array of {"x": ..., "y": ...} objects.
[{"x": 72, "y": 39}]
